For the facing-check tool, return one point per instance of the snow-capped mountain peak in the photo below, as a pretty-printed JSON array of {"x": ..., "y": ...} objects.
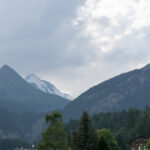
[{"x": 45, "y": 86}]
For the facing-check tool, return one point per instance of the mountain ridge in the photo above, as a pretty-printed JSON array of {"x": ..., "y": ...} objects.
[
  {"x": 131, "y": 89},
  {"x": 16, "y": 91},
  {"x": 45, "y": 86},
  {"x": 22, "y": 107}
]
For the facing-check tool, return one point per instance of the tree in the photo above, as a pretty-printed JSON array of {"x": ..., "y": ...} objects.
[
  {"x": 75, "y": 138},
  {"x": 122, "y": 138},
  {"x": 148, "y": 144},
  {"x": 106, "y": 134},
  {"x": 54, "y": 137},
  {"x": 86, "y": 135},
  {"x": 102, "y": 144}
]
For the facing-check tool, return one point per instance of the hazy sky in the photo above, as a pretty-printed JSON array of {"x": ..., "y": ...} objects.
[{"x": 74, "y": 44}]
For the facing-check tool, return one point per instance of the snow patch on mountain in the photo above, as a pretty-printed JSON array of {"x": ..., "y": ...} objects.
[{"x": 45, "y": 86}]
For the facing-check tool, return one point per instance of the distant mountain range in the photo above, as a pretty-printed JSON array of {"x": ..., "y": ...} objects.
[
  {"x": 127, "y": 90},
  {"x": 23, "y": 104},
  {"x": 18, "y": 95},
  {"x": 45, "y": 86}
]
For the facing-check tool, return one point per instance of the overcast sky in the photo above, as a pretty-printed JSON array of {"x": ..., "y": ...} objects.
[{"x": 74, "y": 44}]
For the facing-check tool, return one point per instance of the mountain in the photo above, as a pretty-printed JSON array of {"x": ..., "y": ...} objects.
[
  {"x": 127, "y": 90},
  {"x": 45, "y": 86},
  {"x": 22, "y": 107},
  {"x": 26, "y": 126},
  {"x": 18, "y": 95}
]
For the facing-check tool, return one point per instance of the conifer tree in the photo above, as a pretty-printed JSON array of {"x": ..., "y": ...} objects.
[
  {"x": 86, "y": 135},
  {"x": 75, "y": 138}
]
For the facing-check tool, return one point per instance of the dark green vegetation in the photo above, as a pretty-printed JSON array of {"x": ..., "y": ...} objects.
[
  {"x": 148, "y": 144},
  {"x": 11, "y": 144},
  {"x": 127, "y": 90},
  {"x": 85, "y": 137},
  {"x": 54, "y": 137},
  {"x": 106, "y": 140},
  {"x": 124, "y": 125},
  {"x": 102, "y": 144}
]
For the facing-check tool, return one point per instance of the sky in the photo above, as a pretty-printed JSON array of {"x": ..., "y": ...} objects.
[{"x": 74, "y": 44}]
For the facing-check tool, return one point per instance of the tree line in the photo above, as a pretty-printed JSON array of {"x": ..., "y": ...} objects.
[
  {"x": 124, "y": 125},
  {"x": 111, "y": 130},
  {"x": 85, "y": 137}
]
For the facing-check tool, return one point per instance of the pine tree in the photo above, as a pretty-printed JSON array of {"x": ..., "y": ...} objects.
[
  {"x": 75, "y": 138},
  {"x": 86, "y": 135}
]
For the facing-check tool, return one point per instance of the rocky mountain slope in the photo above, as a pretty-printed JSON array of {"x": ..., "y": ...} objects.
[
  {"x": 45, "y": 86},
  {"x": 18, "y": 95},
  {"x": 127, "y": 90}
]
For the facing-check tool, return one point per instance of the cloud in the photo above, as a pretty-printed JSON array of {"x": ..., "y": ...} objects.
[
  {"x": 74, "y": 44},
  {"x": 118, "y": 34},
  {"x": 32, "y": 30},
  {"x": 107, "y": 22}
]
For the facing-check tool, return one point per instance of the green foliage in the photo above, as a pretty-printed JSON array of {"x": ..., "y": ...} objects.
[
  {"x": 124, "y": 125},
  {"x": 75, "y": 138},
  {"x": 85, "y": 137},
  {"x": 102, "y": 144},
  {"x": 122, "y": 138},
  {"x": 148, "y": 144},
  {"x": 54, "y": 137},
  {"x": 107, "y": 138}
]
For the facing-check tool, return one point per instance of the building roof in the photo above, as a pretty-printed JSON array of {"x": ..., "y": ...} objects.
[{"x": 138, "y": 137}]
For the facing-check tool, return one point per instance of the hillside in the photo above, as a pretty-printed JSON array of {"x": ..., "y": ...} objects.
[
  {"x": 127, "y": 90},
  {"x": 18, "y": 95},
  {"x": 22, "y": 106},
  {"x": 21, "y": 126}
]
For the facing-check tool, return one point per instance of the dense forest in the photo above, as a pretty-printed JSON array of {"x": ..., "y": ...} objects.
[
  {"x": 112, "y": 129},
  {"x": 124, "y": 125}
]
